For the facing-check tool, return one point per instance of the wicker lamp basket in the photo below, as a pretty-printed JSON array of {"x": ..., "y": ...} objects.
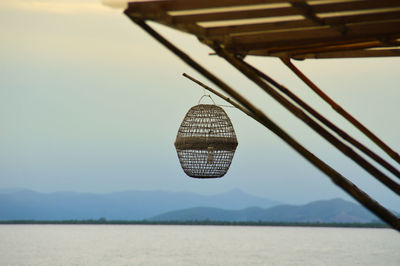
[{"x": 206, "y": 142}]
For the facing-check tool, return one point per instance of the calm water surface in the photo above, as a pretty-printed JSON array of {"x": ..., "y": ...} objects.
[{"x": 195, "y": 245}]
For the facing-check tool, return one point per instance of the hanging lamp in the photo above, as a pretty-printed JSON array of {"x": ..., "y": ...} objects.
[{"x": 206, "y": 141}]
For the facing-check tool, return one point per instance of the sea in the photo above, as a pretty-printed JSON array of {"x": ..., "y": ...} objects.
[{"x": 196, "y": 245}]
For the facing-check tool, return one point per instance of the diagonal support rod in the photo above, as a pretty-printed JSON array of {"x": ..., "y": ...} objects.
[
  {"x": 335, "y": 177},
  {"x": 342, "y": 111},
  {"x": 238, "y": 106},
  {"x": 325, "y": 121}
]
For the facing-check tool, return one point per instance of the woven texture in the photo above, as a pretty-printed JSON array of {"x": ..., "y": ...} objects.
[{"x": 206, "y": 142}]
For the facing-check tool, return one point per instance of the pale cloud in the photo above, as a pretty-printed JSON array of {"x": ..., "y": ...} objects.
[{"x": 57, "y": 7}]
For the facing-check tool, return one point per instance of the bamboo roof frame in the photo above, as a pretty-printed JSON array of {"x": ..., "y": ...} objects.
[
  {"x": 295, "y": 29},
  {"x": 319, "y": 28}
]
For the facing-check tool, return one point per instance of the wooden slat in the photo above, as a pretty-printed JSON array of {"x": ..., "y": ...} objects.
[
  {"x": 333, "y": 45},
  {"x": 327, "y": 48},
  {"x": 235, "y": 15},
  {"x": 315, "y": 35},
  {"x": 256, "y": 40},
  {"x": 248, "y": 28},
  {"x": 352, "y": 54},
  {"x": 177, "y": 5},
  {"x": 316, "y": 46},
  {"x": 354, "y": 6},
  {"x": 224, "y": 30},
  {"x": 164, "y": 18}
]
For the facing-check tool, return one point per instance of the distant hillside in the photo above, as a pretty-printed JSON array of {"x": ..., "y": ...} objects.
[
  {"x": 324, "y": 211},
  {"x": 22, "y": 204}
]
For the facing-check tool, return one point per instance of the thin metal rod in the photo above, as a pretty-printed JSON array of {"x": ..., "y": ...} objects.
[
  {"x": 325, "y": 121},
  {"x": 346, "y": 150},
  {"x": 359, "y": 195},
  {"x": 238, "y": 106},
  {"x": 341, "y": 111}
]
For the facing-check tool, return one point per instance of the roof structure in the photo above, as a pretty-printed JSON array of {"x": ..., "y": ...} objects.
[{"x": 297, "y": 29}]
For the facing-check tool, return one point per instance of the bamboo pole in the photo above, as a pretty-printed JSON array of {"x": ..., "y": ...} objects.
[
  {"x": 346, "y": 150},
  {"x": 238, "y": 106},
  {"x": 325, "y": 121},
  {"x": 359, "y": 195},
  {"x": 341, "y": 111}
]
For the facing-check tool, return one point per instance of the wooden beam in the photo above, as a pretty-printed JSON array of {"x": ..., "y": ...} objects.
[
  {"x": 332, "y": 46},
  {"x": 328, "y": 48},
  {"x": 350, "y": 54}
]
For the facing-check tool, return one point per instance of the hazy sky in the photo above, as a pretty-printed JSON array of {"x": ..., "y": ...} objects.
[{"x": 89, "y": 102}]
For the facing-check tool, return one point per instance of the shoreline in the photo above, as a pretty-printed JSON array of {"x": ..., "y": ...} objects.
[{"x": 103, "y": 221}]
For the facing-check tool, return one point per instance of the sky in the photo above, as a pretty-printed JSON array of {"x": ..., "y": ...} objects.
[{"x": 90, "y": 103}]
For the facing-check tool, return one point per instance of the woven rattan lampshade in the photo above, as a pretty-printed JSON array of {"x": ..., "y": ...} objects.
[{"x": 206, "y": 142}]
